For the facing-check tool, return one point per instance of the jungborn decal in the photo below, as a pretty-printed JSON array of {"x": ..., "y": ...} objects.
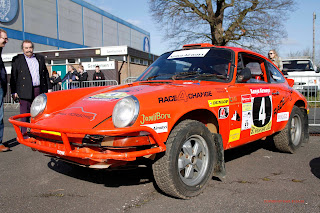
[{"x": 155, "y": 117}]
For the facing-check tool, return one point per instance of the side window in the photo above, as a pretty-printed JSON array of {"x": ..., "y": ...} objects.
[
  {"x": 255, "y": 65},
  {"x": 274, "y": 74}
]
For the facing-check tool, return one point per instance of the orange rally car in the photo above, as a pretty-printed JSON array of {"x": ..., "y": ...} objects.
[{"x": 181, "y": 114}]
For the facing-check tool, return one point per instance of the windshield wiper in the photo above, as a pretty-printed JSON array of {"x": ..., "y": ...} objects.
[
  {"x": 154, "y": 76},
  {"x": 182, "y": 75},
  {"x": 205, "y": 75}
]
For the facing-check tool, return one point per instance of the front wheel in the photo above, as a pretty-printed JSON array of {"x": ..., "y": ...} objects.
[
  {"x": 291, "y": 137},
  {"x": 188, "y": 163}
]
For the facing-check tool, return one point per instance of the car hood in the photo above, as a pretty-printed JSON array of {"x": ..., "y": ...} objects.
[{"x": 97, "y": 107}]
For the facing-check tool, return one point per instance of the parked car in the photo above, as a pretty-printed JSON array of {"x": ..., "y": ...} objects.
[
  {"x": 306, "y": 75},
  {"x": 180, "y": 115}
]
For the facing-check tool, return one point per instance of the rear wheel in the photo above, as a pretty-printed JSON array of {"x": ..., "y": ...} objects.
[
  {"x": 291, "y": 137},
  {"x": 187, "y": 165}
]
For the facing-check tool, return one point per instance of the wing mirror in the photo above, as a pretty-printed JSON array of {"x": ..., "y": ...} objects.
[
  {"x": 318, "y": 70},
  {"x": 243, "y": 75}
]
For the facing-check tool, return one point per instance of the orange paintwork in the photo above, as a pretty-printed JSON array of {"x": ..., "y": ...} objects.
[{"x": 222, "y": 106}]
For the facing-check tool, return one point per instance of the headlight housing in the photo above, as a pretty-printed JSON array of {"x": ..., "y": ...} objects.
[
  {"x": 125, "y": 112},
  {"x": 38, "y": 105}
]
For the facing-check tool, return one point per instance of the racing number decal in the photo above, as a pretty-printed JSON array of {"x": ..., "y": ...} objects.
[{"x": 261, "y": 114}]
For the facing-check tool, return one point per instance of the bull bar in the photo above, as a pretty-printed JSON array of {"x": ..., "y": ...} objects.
[{"x": 66, "y": 147}]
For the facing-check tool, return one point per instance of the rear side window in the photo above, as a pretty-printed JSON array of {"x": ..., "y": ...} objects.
[{"x": 274, "y": 74}]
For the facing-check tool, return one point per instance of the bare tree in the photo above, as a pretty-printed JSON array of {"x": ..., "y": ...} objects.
[{"x": 221, "y": 22}]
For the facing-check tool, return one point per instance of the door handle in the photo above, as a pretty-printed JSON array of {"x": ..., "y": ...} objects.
[{"x": 275, "y": 93}]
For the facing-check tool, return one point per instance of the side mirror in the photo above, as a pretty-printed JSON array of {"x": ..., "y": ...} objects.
[
  {"x": 318, "y": 70},
  {"x": 290, "y": 82},
  {"x": 243, "y": 75}
]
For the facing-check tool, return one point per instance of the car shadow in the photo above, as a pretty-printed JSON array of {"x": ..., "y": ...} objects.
[
  {"x": 315, "y": 167},
  {"x": 141, "y": 175},
  {"x": 247, "y": 149},
  {"x": 110, "y": 178}
]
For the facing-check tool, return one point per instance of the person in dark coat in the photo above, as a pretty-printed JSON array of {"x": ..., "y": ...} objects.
[
  {"x": 55, "y": 81},
  {"x": 82, "y": 76},
  {"x": 29, "y": 78},
  {"x": 3, "y": 87},
  {"x": 98, "y": 76},
  {"x": 70, "y": 77}
]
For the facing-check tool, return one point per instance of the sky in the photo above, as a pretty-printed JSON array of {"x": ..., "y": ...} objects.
[{"x": 299, "y": 25}]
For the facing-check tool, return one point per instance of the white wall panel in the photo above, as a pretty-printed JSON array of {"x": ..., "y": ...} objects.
[
  {"x": 40, "y": 17},
  {"x": 70, "y": 22},
  {"x": 92, "y": 28},
  {"x": 110, "y": 37}
]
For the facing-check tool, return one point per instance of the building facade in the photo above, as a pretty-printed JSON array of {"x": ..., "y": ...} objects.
[{"x": 66, "y": 24}]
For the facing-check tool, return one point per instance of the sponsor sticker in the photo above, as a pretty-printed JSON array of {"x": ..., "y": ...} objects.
[
  {"x": 155, "y": 117},
  {"x": 246, "y": 98},
  {"x": 218, "y": 102},
  {"x": 257, "y": 130},
  {"x": 259, "y": 92},
  {"x": 183, "y": 96},
  {"x": 282, "y": 116},
  {"x": 109, "y": 96},
  {"x": 189, "y": 53},
  {"x": 246, "y": 121},
  {"x": 223, "y": 112},
  {"x": 158, "y": 127},
  {"x": 234, "y": 135}
]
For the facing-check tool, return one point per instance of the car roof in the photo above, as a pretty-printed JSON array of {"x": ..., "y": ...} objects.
[{"x": 208, "y": 45}]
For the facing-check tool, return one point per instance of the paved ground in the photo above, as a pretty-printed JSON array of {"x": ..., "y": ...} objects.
[{"x": 259, "y": 179}]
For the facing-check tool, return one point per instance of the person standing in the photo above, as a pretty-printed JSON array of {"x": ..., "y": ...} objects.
[
  {"x": 3, "y": 88},
  {"x": 98, "y": 76},
  {"x": 273, "y": 56},
  {"x": 82, "y": 76},
  {"x": 29, "y": 78},
  {"x": 55, "y": 81}
]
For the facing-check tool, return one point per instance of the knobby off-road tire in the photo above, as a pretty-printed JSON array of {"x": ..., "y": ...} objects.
[
  {"x": 188, "y": 163},
  {"x": 291, "y": 137}
]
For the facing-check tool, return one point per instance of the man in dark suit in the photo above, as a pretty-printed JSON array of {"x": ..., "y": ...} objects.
[
  {"x": 3, "y": 86},
  {"x": 29, "y": 78}
]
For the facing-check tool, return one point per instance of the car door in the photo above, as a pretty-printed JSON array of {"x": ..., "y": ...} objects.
[{"x": 252, "y": 113}]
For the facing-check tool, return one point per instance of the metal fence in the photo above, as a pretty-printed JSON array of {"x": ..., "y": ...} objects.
[
  {"x": 309, "y": 86},
  {"x": 129, "y": 80},
  {"x": 81, "y": 84}
]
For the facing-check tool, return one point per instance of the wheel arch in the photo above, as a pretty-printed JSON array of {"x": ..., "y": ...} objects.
[{"x": 204, "y": 116}]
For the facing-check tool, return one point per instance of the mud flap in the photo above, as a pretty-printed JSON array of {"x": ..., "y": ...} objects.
[
  {"x": 219, "y": 168},
  {"x": 305, "y": 126}
]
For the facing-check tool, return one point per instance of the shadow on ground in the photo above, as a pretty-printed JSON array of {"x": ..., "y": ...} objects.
[
  {"x": 315, "y": 167},
  {"x": 114, "y": 178}
]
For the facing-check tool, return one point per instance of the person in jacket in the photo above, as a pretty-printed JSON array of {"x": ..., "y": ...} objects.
[
  {"x": 70, "y": 77},
  {"x": 98, "y": 76},
  {"x": 55, "y": 81},
  {"x": 82, "y": 76},
  {"x": 3, "y": 87},
  {"x": 29, "y": 78},
  {"x": 273, "y": 56}
]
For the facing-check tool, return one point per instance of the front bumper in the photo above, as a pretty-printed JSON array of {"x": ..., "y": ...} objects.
[{"x": 67, "y": 150}]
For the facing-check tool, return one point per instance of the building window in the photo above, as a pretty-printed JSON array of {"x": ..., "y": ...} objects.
[
  {"x": 59, "y": 61},
  {"x": 71, "y": 61},
  {"x": 85, "y": 59},
  {"x": 99, "y": 59}
]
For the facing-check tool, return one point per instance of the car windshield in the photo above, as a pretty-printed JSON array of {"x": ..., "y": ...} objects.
[
  {"x": 297, "y": 65},
  {"x": 193, "y": 64}
]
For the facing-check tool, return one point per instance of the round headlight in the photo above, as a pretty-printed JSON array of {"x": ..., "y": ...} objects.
[
  {"x": 38, "y": 105},
  {"x": 125, "y": 112}
]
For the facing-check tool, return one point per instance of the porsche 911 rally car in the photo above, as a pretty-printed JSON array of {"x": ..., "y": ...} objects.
[{"x": 181, "y": 114}]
